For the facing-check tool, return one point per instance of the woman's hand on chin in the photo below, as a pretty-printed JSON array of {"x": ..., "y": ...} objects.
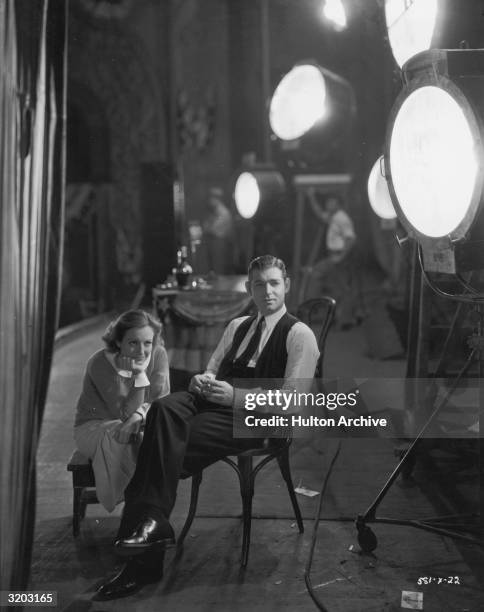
[{"x": 129, "y": 364}]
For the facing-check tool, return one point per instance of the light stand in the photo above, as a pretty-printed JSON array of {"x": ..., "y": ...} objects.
[
  {"x": 433, "y": 165},
  {"x": 366, "y": 537}
]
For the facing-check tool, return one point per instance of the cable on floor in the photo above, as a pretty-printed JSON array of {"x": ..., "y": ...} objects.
[{"x": 317, "y": 518}]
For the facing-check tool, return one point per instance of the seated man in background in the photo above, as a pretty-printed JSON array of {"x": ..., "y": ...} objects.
[{"x": 187, "y": 431}]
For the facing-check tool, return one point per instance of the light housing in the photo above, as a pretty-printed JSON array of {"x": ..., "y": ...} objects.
[
  {"x": 311, "y": 116},
  {"x": 410, "y": 26},
  {"x": 434, "y": 157},
  {"x": 378, "y": 194},
  {"x": 414, "y": 26},
  {"x": 256, "y": 187},
  {"x": 334, "y": 12},
  {"x": 299, "y": 102}
]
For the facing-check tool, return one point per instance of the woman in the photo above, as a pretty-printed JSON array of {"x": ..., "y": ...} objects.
[{"x": 120, "y": 383}]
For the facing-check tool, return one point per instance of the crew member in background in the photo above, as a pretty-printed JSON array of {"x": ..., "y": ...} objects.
[
  {"x": 332, "y": 273},
  {"x": 218, "y": 234}
]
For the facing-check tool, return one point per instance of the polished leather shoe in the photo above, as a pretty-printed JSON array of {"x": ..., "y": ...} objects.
[
  {"x": 149, "y": 534},
  {"x": 132, "y": 578}
]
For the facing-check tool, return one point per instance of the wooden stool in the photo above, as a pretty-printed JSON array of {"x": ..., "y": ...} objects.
[{"x": 82, "y": 482}]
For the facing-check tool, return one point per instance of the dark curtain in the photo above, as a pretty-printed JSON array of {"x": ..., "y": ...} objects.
[{"x": 32, "y": 166}]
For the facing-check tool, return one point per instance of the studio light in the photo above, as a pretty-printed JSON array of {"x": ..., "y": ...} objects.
[
  {"x": 298, "y": 102},
  {"x": 434, "y": 157},
  {"x": 334, "y": 12},
  {"x": 378, "y": 194},
  {"x": 255, "y": 188},
  {"x": 311, "y": 116},
  {"x": 411, "y": 25}
]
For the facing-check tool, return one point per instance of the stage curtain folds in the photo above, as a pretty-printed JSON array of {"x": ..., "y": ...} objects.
[{"x": 32, "y": 161}]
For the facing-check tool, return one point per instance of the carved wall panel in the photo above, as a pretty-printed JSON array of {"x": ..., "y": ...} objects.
[{"x": 108, "y": 60}]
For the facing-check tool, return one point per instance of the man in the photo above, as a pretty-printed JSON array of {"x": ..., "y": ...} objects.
[
  {"x": 340, "y": 239},
  {"x": 187, "y": 431},
  {"x": 218, "y": 234}
]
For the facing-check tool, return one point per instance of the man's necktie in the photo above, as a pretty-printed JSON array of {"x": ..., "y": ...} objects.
[{"x": 251, "y": 348}]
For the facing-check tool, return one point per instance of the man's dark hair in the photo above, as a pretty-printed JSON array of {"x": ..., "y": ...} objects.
[{"x": 267, "y": 261}]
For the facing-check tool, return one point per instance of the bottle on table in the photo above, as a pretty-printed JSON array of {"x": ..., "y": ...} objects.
[{"x": 183, "y": 268}]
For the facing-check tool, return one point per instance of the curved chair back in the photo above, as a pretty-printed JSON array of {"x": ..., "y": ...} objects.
[{"x": 318, "y": 313}]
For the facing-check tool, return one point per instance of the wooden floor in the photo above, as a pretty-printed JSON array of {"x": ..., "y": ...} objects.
[{"x": 207, "y": 576}]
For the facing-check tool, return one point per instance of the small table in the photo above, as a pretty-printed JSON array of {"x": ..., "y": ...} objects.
[{"x": 194, "y": 319}]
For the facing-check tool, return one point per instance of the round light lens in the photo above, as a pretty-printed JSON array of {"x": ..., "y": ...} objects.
[
  {"x": 433, "y": 161},
  {"x": 298, "y": 102},
  {"x": 378, "y": 193},
  {"x": 334, "y": 11},
  {"x": 410, "y": 26},
  {"x": 247, "y": 195}
]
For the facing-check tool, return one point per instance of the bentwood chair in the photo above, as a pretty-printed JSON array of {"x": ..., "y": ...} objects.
[{"x": 317, "y": 313}]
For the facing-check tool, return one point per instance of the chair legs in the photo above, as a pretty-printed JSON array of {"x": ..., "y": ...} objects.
[
  {"x": 246, "y": 473},
  {"x": 246, "y": 479},
  {"x": 283, "y": 461},
  {"x": 77, "y": 513},
  {"x": 196, "y": 481}
]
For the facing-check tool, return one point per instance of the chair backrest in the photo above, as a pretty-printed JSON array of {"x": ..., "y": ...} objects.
[{"x": 318, "y": 313}]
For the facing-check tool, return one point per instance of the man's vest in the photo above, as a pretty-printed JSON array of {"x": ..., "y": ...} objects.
[{"x": 271, "y": 362}]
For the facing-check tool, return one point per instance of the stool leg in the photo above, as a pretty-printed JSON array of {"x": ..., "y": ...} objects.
[
  {"x": 247, "y": 493},
  {"x": 82, "y": 506},
  {"x": 196, "y": 481},
  {"x": 76, "y": 511},
  {"x": 283, "y": 461}
]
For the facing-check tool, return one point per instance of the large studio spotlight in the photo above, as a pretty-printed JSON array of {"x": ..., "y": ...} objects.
[
  {"x": 311, "y": 115},
  {"x": 299, "y": 102},
  {"x": 256, "y": 188},
  {"x": 378, "y": 194},
  {"x": 434, "y": 157},
  {"x": 334, "y": 12},
  {"x": 411, "y": 25},
  {"x": 414, "y": 26}
]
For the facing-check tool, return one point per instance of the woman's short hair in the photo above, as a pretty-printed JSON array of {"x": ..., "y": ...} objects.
[
  {"x": 130, "y": 319},
  {"x": 267, "y": 261}
]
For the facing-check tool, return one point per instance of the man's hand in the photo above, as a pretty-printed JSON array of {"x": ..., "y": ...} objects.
[
  {"x": 219, "y": 392},
  {"x": 129, "y": 427},
  {"x": 199, "y": 383}
]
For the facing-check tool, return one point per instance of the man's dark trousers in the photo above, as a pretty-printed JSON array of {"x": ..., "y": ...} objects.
[{"x": 184, "y": 434}]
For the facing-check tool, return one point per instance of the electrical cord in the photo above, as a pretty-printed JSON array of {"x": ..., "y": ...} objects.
[
  {"x": 474, "y": 296},
  {"x": 317, "y": 518}
]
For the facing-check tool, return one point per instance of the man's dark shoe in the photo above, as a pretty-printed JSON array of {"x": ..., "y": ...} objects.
[
  {"x": 128, "y": 581},
  {"x": 147, "y": 535}
]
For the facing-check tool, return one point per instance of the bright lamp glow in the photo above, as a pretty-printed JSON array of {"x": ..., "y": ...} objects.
[
  {"x": 410, "y": 26},
  {"x": 378, "y": 193},
  {"x": 298, "y": 102},
  {"x": 432, "y": 161},
  {"x": 334, "y": 11},
  {"x": 247, "y": 195}
]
